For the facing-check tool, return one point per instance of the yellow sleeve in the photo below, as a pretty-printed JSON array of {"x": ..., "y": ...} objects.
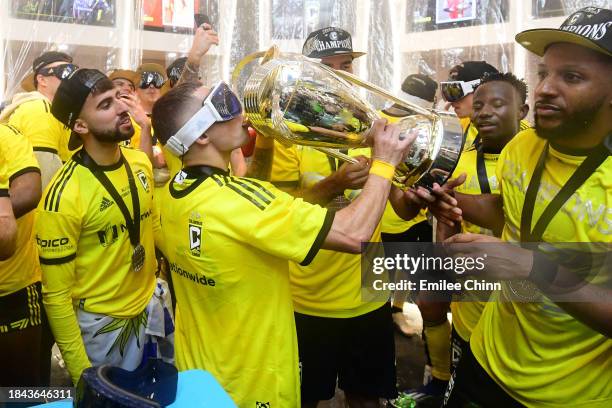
[
  {"x": 17, "y": 147},
  {"x": 285, "y": 166},
  {"x": 57, "y": 235},
  {"x": 278, "y": 223}
]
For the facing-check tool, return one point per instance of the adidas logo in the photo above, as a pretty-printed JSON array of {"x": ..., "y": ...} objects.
[{"x": 105, "y": 204}]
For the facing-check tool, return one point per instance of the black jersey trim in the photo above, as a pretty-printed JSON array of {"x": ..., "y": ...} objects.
[
  {"x": 4, "y": 192},
  {"x": 44, "y": 149},
  {"x": 23, "y": 171},
  {"x": 320, "y": 239},
  {"x": 57, "y": 261},
  {"x": 61, "y": 190},
  {"x": 286, "y": 184}
]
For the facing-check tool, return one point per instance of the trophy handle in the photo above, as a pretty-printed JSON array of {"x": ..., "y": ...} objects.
[
  {"x": 267, "y": 55},
  {"x": 382, "y": 92},
  {"x": 338, "y": 155}
]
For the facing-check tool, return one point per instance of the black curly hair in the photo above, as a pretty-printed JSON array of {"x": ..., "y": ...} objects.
[{"x": 518, "y": 84}]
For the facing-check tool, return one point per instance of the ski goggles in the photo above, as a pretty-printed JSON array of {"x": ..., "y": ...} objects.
[
  {"x": 151, "y": 78},
  {"x": 221, "y": 105},
  {"x": 452, "y": 91},
  {"x": 62, "y": 71}
]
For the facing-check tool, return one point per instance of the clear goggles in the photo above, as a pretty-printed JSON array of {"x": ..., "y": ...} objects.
[
  {"x": 221, "y": 105},
  {"x": 452, "y": 91}
]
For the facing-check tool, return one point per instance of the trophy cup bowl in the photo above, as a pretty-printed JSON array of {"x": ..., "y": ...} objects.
[{"x": 298, "y": 100}]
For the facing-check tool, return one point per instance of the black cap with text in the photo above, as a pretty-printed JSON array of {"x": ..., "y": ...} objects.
[
  {"x": 328, "y": 42},
  {"x": 590, "y": 27}
]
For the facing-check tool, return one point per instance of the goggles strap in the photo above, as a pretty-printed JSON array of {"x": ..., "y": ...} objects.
[{"x": 193, "y": 129}]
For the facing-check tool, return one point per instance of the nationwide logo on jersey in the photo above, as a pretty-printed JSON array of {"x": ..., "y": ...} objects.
[
  {"x": 262, "y": 404},
  {"x": 106, "y": 203},
  {"x": 195, "y": 237},
  {"x": 109, "y": 235},
  {"x": 143, "y": 179}
]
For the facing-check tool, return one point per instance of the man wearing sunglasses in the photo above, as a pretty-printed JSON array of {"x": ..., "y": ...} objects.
[
  {"x": 459, "y": 91},
  {"x": 30, "y": 112},
  {"x": 231, "y": 238}
]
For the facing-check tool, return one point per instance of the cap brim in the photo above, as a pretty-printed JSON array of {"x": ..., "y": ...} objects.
[
  {"x": 27, "y": 83},
  {"x": 538, "y": 40},
  {"x": 74, "y": 142}
]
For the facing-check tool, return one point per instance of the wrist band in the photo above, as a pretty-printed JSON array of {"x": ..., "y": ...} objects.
[
  {"x": 382, "y": 169},
  {"x": 543, "y": 270}
]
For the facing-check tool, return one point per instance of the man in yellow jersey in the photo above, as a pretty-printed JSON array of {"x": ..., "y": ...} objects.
[
  {"x": 95, "y": 234},
  {"x": 499, "y": 107},
  {"x": 459, "y": 92},
  {"x": 544, "y": 352},
  {"x": 231, "y": 238},
  {"x": 327, "y": 293},
  {"x": 30, "y": 113},
  {"x": 24, "y": 331}
]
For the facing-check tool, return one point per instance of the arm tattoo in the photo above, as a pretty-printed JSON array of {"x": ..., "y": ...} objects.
[
  {"x": 261, "y": 164},
  {"x": 190, "y": 73}
]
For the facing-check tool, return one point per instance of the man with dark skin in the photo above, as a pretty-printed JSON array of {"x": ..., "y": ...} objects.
[
  {"x": 558, "y": 350},
  {"x": 499, "y": 106}
]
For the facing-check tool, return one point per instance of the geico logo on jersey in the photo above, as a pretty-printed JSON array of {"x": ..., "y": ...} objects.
[
  {"x": 143, "y": 179},
  {"x": 196, "y": 277},
  {"x": 52, "y": 243},
  {"x": 195, "y": 238}
]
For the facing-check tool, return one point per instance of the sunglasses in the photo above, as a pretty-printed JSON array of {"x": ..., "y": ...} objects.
[
  {"x": 151, "y": 78},
  {"x": 452, "y": 91},
  {"x": 62, "y": 71},
  {"x": 221, "y": 105}
]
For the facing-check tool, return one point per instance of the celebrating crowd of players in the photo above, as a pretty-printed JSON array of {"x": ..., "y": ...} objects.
[{"x": 112, "y": 186}]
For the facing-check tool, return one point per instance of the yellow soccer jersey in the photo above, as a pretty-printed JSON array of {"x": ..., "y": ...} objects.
[
  {"x": 228, "y": 240},
  {"x": 35, "y": 121},
  {"x": 80, "y": 226},
  {"x": 22, "y": 269},
  {"x": 331, "y": 285},
  {"x": 466, "y": 314},
  {"x": 539, "y": 354}
]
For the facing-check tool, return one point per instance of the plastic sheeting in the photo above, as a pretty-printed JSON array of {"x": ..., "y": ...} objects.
[{"x": 400, "y": 36}]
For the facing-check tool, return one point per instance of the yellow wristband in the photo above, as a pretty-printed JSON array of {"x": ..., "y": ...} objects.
[{"x": 383, "y": 169}]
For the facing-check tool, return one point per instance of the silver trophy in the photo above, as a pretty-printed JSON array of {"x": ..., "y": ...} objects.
[{"x": 298, "y": 100}]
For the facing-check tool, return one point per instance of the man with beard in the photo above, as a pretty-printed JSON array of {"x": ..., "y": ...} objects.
[
  {"x": 94, "y": 231},
  {"x": 533, "y": 347}
]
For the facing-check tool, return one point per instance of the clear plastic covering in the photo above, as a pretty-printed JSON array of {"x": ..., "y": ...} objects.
[{"x": 400, "y": 37}]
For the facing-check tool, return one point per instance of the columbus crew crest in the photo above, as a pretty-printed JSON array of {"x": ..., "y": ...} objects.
[{"x": 143, "y": 180}]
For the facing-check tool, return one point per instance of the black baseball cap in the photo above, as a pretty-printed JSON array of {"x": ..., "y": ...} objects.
[
  {"x": 70, "y": 98},
  {"x": 470, "y": 71},
  {"x": 421, "y": 86},
  {"x": 328, "y": 42},
  {"x": 590, "y": 27}
]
